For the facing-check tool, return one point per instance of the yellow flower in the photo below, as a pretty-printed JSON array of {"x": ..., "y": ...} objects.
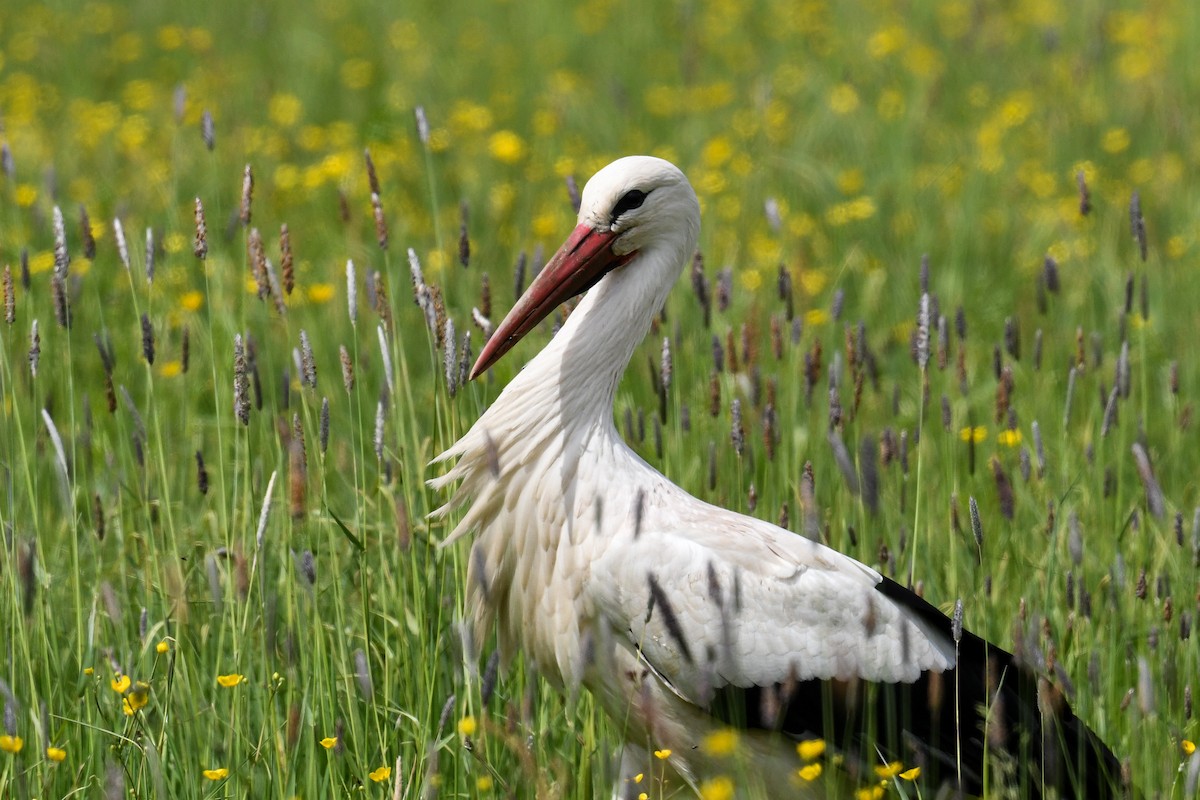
[
  {"x": 869, "y": 793},
  {"x": 329, "y": 742},
  {"x": 136, "y": 699},
  {"x": 284, "y": 109},
  {"x": 1009, "y": 438},
  {"x": 843, "y": 99},
  {"x": 381, "y": 774},
  {"x": 11, "y": 744},
  {"x": 321, "y": 292},
  {"x": 216, "y": 774},
  {"x": 230, "y": 680},
  {"x": 643, "y": 796},
  {"x": 169, "y": 369},
  {"x": 192, "y": 301},
  {"x": 1189, "y": 747},
  {"x": 162, "y": 647},
  {"x": 811, "y": 749},
  {"x": 483, "y": 783},
  {"x": 976, "y": 434},
  {"x": 467, "y": 726},
  {"x": 662, "y": 755},
  {"x": 25, "y": 195},
  {"x": 815, "y": 316},
  {"x": 638, "y": 778},
  {"x": 718, "y": 788},
  {"x": 810, "y": 772},
  {"x": 1115, "y": 140},
  {"x": 889, "y": 771},
  {"x": 89, "y": 671},
  {"x": 56, "y": 754},
  {"x": 720, "y": 743},
  {"x": 357, "y": 73},
  {"x": 506, "y": 146},
  {"x": 121, "y": 683},
  {"x": 911, "y": 774}
]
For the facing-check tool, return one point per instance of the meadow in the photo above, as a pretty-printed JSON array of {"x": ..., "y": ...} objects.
[{"x": 217, "y": 578}]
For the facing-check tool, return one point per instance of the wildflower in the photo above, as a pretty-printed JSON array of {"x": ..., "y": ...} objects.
[
  {"x": 329, "y": 742},
  {"x": 809, "y": 773},
  {"x": 162, "y": 647},
  {"x": 216, "y": 774},
  {"x": 718, "y": 788},
  {"x": 811, "y": 749},
  {"x": 911, "y": 774},
  {"x": 467, "y": 726},
  {"x": 89, "y": 671},
  {"x": 230, "y": 680},
  {"x": 1115, "y": 140},
  {"x": 1009, "y": 438},
  {"x": 662, "y": 755},
  {"x": 136, "y": 699},
  {"x": 56, "y": 754},
  {"x": 506, "y": 146},
  {"x": 721, "y": 743},
  {"x": 121, "y": 683},
  {"x": 483, "y": 783},
  {"x": 869, "y": 793},
  {"x": 321, "y": 293},
  {"x": 1189, "y": 747},
  {"x": 11, "y": 744},
  {"x": 380, "y": 775},
  {"x": 974, "y": 434},
  {"x": 843, "y": 99}
]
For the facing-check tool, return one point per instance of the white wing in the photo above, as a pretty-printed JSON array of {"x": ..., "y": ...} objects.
[{"x": 711, "y": 598}]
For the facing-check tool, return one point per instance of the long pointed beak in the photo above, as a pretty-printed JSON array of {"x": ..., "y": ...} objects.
[{"x": 583, "y": 260}]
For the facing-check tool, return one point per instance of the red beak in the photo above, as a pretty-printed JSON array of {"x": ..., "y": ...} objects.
[{"x": 583, "y": 260}]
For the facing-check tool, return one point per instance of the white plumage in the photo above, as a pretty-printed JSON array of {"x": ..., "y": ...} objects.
[{"x": 681, "y": 617}]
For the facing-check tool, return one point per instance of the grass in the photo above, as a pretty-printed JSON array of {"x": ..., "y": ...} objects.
[{"x": 878, "y": 134}]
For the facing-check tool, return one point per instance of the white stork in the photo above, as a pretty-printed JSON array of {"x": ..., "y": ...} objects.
[{"x": 686, "y": 619}]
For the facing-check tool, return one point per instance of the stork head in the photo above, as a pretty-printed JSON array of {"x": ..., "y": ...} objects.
[{"x": 635, "y": 206}]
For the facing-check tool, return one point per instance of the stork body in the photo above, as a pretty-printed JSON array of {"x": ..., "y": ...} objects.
[{"x": 684, "y": 618}]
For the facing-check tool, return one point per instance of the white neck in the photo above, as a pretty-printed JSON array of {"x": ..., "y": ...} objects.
[{"x": 575, "y": 376}]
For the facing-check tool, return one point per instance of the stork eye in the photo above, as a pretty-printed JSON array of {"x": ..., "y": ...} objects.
[{"x": 629, "y": 201}]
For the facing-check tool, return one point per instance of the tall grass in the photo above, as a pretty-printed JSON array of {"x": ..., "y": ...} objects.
[{"x": 294, "y": 630}]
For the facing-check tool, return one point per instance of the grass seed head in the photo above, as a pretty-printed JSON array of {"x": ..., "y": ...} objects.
[
  {"x": 10, "y": 296},
  {"x": 241, "y": 384},
  {"x": 381, "y": 227},
  {"x": 149, "y": 261},
  {"x": 201, "y": 474},
  {"x": 200, "y": 239},
  {"x": 147, "y": 339},
  {"x": 208, "y": 130},
  {"x": 62, "y": 259},
  {"x": 35, "y": 349},
  {"x": 244, "y": 209},
  {"x": 324, "y": 425},
  {"x": 86, "y": 235},
  {"x": 308, "y": 365},
  {"x": 62, "y": 303},
  {"x": 464, "y": 239},
  {"x": 122, "y": 245},
  {"x": 185, "y": 350},
  {"x": 1137, "y": 223},
  {"x": 286, "y": 265}
]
